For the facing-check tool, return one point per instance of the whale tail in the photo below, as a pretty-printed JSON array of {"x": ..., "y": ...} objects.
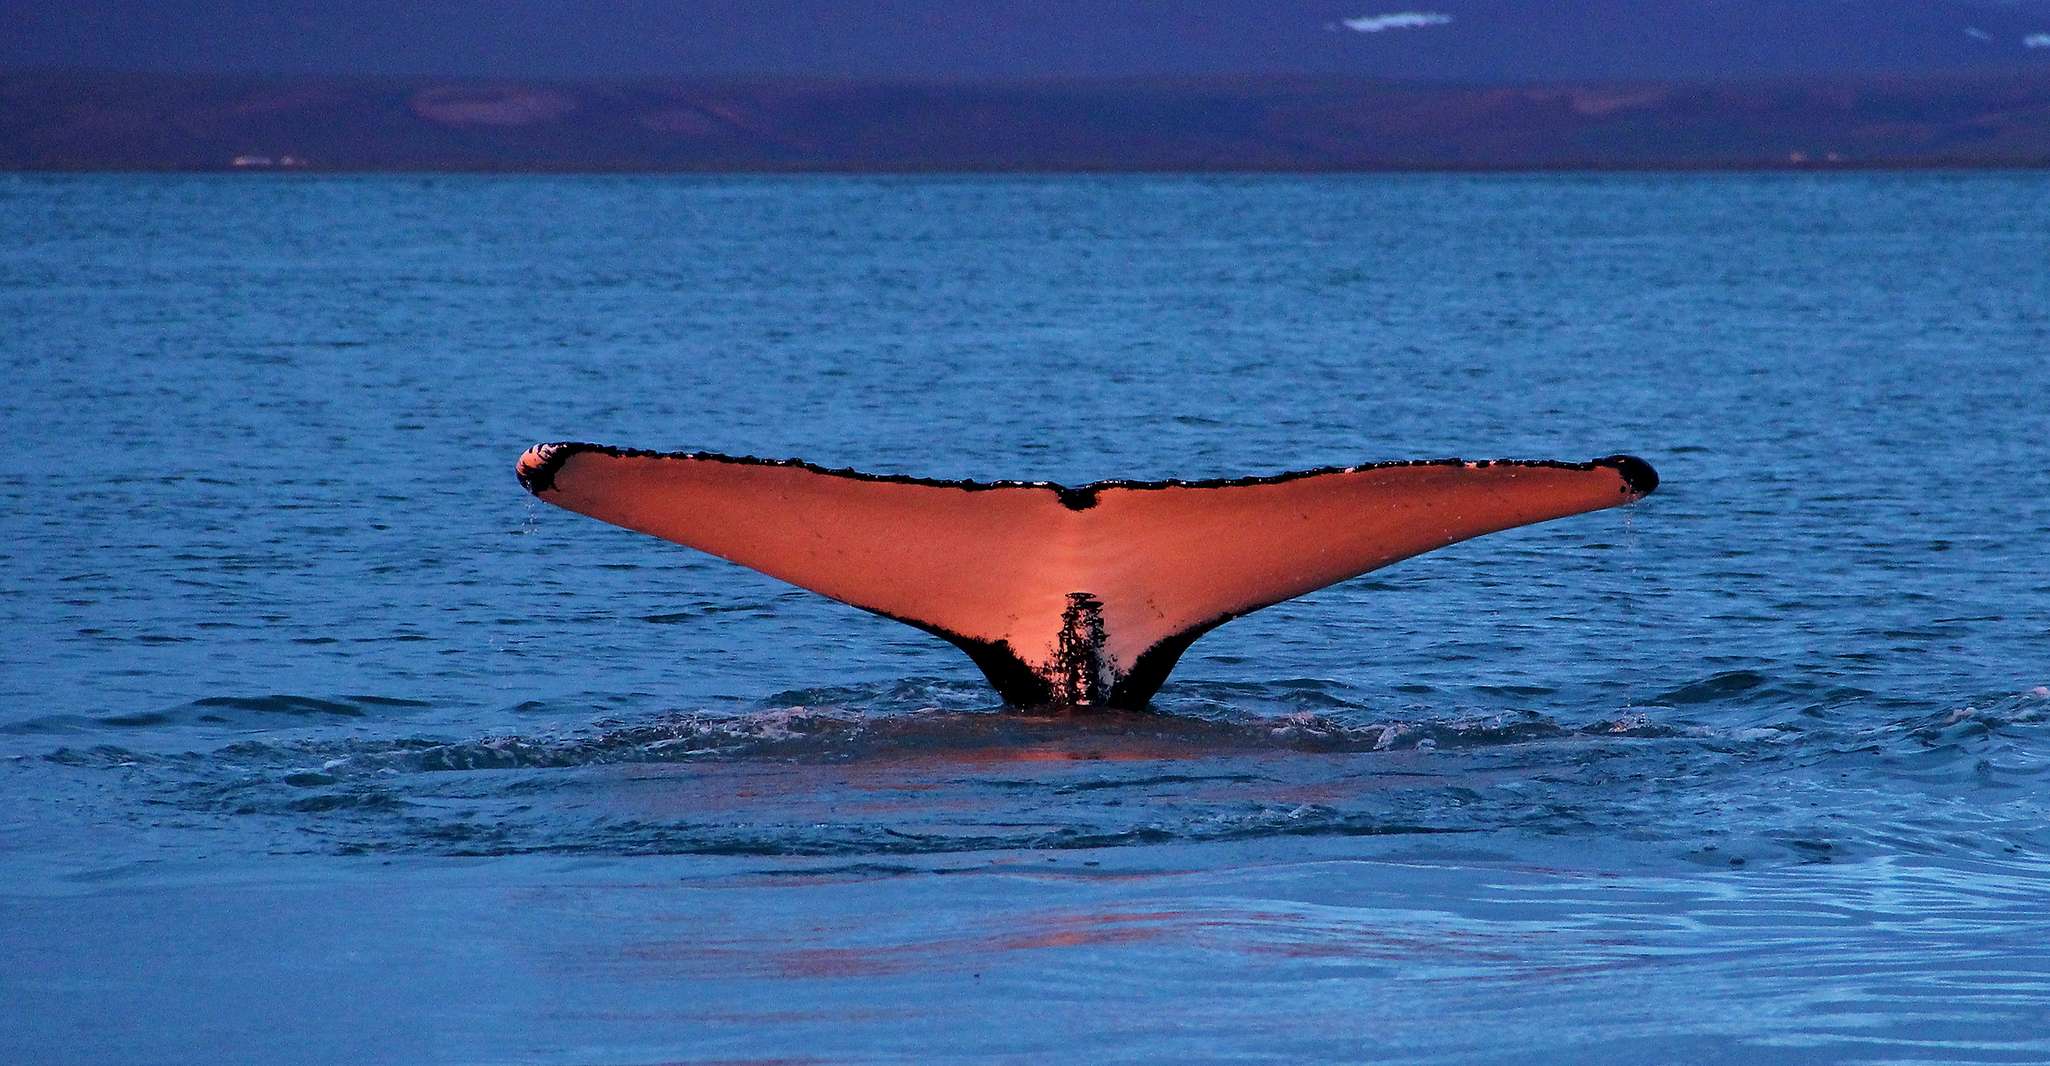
[{"x": 1065, "y": 595}]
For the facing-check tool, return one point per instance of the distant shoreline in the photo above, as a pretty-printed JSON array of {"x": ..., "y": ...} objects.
[{"x": 161, "y": 123}]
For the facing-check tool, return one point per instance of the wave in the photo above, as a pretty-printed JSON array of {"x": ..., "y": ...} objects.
[
  {"x": 951, "y": 721},
  {"x": 223, "y": 712},
  {"x": 922, "y": 766}
]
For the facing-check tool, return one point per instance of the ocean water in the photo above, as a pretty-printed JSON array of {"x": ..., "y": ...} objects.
[{"x": 320, "y": 741}]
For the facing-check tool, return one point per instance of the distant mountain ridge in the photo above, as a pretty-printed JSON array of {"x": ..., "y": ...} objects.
[
  {"x": 968, "y": 41},
  {"x": 71, "y": 121}
]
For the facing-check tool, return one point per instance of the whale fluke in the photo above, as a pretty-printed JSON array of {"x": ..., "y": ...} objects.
[{"x": 1065, "y": 595}]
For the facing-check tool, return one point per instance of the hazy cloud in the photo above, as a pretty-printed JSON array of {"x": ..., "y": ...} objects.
[
  {"x": 1397, "y": 20},
  {"x": 1977, "y": 34},
  {"x": 2036, "y": 40}
]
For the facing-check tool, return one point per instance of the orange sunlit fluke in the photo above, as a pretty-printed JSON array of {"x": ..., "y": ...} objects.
[{"x": 1067, "y": 595}]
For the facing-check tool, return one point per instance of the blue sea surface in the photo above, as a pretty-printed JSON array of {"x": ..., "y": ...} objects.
[{"x": 322, "y": 742}]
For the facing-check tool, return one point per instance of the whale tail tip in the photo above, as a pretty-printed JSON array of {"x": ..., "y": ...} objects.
[{"x": 1638, "y": 476}]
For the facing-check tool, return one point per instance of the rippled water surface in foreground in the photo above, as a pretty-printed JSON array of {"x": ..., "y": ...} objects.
[{"x": 320, "y": 742}]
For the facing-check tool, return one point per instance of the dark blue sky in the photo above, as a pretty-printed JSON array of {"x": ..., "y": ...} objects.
[{"x": 1011, "y": 39}]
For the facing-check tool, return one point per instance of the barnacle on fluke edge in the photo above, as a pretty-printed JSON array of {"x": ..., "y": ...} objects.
[{"x": 536, "y": 471}]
